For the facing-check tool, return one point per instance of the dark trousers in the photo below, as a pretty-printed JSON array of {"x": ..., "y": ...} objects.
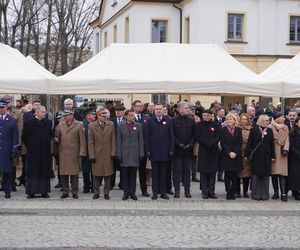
[
  {"x": 246, "y": 183},
  {"x": 13, "y": 177},
  {"x": 142, "y": 174},
  {"x": 129, "y": 180},
  {"x": 114, "y": 175},
  {"x": 169, "y": 175},
  {"x": 182, "y": 170},
  {"x": 65, "y": 183},
  {"x": 87, "y": 181},
  {"x": 207, "y": 182},
  {"x": 23, "y": 175},
  {"x": 194, "y": 165},
  {"x": 282, "y": 184},
  {"x": 230, "y": 181},
  {"x": 6, "y": 184},
  {"x": 97, "y": 182},
  {"x": 159, "y": 176}
]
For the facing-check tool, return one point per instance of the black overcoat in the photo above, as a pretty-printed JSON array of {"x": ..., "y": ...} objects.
[
  {"x": 37, "y": 137},
  {"x": 294, "y": 162},
  {"x": 208, "y": 137},
  {"x": 231, "y": 143},
  {"x": 261, "y": 161}
]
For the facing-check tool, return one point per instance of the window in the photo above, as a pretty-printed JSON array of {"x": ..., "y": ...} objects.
[
  {"x": 97, "y": 42},
  {"x": 187, "y": 30},
  {"x": 115, "y": 34},
  {"x": 127, "y": 30},
  {"x": 235, "y": 27},
  {"x": 295, "y": 29},
  {"x": 105, "y": 39},
  {"x": 159, "y": 31},
  {"x": 159, "y": 98}
]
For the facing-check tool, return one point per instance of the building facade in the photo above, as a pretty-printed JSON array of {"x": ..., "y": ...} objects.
[{"x": 255, "y": 32}]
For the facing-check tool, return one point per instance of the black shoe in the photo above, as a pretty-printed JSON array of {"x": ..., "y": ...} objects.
[
  {"x": 246, "y": 195},
  {"x": 7, "y": 196},
  {"x": 195, "y": 179},
  {"x": 228, "y": 197},
  {"x": 58, "y": 185},
  {"x": 75, "y": 196},
  {"x": 212, "y": 196},
  {"x": 171, "y": 192},
  {"x": 284, "y": 198},
  {"x": 205, "y": 196},
  {"x": 30, "y": 196},
  {"x": 188, "y": 195},
  {"x": 275, "y": 196},
  {"x": 133, "y": 197},
  {"x": 297, "y": 197},
  {"x": 176, "y": 195},
  {"x": 96, "y": 196},
  {"x": 64, "y": 196},
  {"x": 45, "y": 196},
  {"x": 238, "y": 195},
  {"x": 106, "y": 197},
  {"x": 154, "y": 197},
  {"x": 145, "y": 193},
  {"x": 85, "y": 191},
  {"x": 21, "y": 183},
  {"x": 164, "y": 196},
  {"x": 125, "y": 197}
]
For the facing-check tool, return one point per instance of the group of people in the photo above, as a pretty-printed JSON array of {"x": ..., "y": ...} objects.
[{"x": 247, "y": 147}]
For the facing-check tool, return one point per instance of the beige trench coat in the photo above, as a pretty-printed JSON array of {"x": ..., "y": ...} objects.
[
  {"x": 102, "y": 146},
  {"x": 281, "y": 138},
  {"x": 71, "y": 146},
  {"x": 246, "y": 172}
]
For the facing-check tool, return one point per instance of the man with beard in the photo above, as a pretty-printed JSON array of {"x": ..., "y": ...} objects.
[{"x": 37, "y": 136}]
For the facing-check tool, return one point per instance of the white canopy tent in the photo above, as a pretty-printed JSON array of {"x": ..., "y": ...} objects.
[
  {"x": 17, "y": 75},
  {"x": 39, "y": 68},
  {"x": 164, "y": 68},
  {"x": 288, "y": 72}
]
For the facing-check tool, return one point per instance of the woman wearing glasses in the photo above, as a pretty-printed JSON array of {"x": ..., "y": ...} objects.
[{"x": 260, "y": 151}]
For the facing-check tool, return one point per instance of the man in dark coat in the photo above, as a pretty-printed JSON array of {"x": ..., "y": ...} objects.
[
  {"x": 292, "y": 116},
  {"x": 130, "y": 149},
  {"x": 9, "y": 146},
  {"x": 220, "y": 119},
  {"x": 159, "y": 147},
  {"x": 208, "y": 137},
  {"x": 119, "y": 119},
  {"x": 141, "y": 118},
  {"x": 86, "y": 164},
  {"x": 184, "y": 127},
  {"x": 29, "y": 115},
  {"x": 37, "y": 136}
]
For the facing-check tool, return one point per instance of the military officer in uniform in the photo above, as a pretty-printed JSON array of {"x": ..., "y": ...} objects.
[{"x": 9, "y": 146}]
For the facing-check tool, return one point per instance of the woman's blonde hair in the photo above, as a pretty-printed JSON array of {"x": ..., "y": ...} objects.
[{"x": 234, "y": 116}]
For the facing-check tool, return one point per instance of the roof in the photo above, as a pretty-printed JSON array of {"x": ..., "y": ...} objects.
[{"x": 148, "y": 1}]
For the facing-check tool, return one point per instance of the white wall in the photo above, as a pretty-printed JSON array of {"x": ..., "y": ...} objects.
[{"x": 112, "y": 10}]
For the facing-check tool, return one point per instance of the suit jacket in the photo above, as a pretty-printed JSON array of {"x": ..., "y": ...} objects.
[
  {"x": 130, "y": 145},
  {"x": 159, "y": 138}
]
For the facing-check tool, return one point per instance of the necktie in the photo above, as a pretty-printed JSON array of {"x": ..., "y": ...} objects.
[
  {"x": 119, "y": 120},
  {"x": 139, "y": 117}
]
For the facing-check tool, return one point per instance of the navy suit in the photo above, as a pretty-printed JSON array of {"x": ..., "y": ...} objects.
[
  {"x": 159, "y": 143},
  {"x": 9, "y": 147}
]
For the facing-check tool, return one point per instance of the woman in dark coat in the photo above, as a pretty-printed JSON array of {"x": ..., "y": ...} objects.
[
  {"x": 37, "y": 135},
  {"x": 231, "y": 154},
  {"x": 294, "y": 159},
  {"x": 260, "y": 147}
]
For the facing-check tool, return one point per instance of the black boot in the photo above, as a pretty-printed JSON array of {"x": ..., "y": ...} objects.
[
  {"x": 283, "y": 189},
  {"x": 275, "y": 187}
]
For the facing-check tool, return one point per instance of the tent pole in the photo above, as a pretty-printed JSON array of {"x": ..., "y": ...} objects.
[
  {"x": 282, "y": 104},
  {"x": 48, "y": 103}
]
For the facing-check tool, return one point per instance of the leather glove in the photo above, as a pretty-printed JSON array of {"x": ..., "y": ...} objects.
[
  {"x": 93, "y": 161},
  {"x": 284, "y": 153},
  {"x": 148, "y": 155},
  {"x": 181, "y": 146},
  {"x": 171, "y": 155}
]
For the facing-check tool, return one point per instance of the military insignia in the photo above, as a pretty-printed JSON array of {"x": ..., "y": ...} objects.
[
  {"x": 164, "y": 123},
  {"x": 134, "y": 128},
  {"x": 212, "y": 129},
  {"x": 7, "y": 119}
]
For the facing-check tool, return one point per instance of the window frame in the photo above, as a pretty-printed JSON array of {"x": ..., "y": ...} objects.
[{"x": 167, "y": 21}]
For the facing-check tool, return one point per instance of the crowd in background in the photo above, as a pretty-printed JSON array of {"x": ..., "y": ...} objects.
[{"x": 165, "y": 145}]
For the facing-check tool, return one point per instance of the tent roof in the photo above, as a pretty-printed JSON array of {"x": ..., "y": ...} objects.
[
  {"x": 275, "y": 67},
  {"x": 164, "y": 68},
  {"x": 39, "y": 68},
  {"x": 17, "y": 76}
]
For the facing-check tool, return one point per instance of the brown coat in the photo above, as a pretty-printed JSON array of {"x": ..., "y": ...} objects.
[
  {"x": 71, "y": 143},
  {"x": 102, "y": 146},
  {"x": 281, "y": 138},
  {"x": 246, "y": 172}
]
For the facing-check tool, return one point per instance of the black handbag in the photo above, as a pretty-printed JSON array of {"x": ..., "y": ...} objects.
[{"x": 253, "y": 151}]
